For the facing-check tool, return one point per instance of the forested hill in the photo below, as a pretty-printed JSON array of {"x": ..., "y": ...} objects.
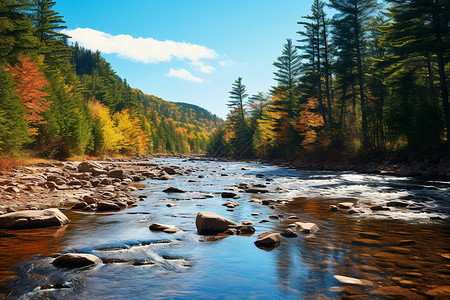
[{"x": 60, "y": 101}]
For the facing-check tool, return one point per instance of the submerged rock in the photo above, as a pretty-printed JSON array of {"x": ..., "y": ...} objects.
[
  {"x": 33, "y": 219},
  {"x": 163, "y": 228},
  {"x": 76, "y": 260},
  {"x": 306, "y": 227},
  {"x": 174, "y": 190},
  {"x": 211, "y": 223}
]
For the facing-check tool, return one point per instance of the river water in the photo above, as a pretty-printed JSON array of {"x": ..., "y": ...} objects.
[{"x": 406, "y": 247}]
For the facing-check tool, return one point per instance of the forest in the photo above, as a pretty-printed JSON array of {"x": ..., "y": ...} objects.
[
  {"x": 59, "y": 100},
  {"x": 369, "y": 82}
]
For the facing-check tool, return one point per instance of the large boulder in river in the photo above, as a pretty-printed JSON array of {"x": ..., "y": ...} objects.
[
  {"x": 306, "y": 227},
  {"x": 76, "y": 260},
  {"x": 33, "y": 219},
  {"x": 211, "y": 223},
  {"x": 117, "y": 173},
  {"x": 87, "y": 166},
  {"x": 105, "y": 205}
]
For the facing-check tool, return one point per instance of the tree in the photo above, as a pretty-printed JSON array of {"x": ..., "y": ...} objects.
[
  {"x": 241, "y": 135},
  {"x": 350, "y": 35},
  {"x": 30, "y": 82},
  {"x": 421, "y": 27}
]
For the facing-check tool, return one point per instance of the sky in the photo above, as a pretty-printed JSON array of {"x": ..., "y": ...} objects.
[{"x": 187, "y": 51}]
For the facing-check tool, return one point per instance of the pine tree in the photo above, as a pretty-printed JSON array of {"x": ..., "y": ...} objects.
[
  {"x": 421, "y": 28},
  {"x": 350, "y": 39}
]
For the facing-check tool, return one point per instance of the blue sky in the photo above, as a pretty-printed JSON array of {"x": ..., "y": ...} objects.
[{"x": 187, "y": 51}]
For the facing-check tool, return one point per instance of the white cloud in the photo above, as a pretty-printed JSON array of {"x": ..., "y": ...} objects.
[
  {"x": 227, "y": 62},
  {"x": 183, "y": 74},
  {"x": 146, "y": 50},
  {"x": 201, "y": 67}
]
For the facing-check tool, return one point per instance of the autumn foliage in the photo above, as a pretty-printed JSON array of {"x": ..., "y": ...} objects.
[{"x": 29, "y": 83}]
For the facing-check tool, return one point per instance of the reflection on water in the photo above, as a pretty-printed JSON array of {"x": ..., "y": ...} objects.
[{"x": 403, "y": 249}]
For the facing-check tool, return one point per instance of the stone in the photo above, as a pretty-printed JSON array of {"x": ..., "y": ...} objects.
[
  {"x": 345, "y": 205},
  {"x": 118, "y": 173},
  {"x": 97, "y": 171},
  {"x": 256, "y": 190},
  {"x": 228, "y": 195},
  {"x": 334, "y": 208},
  {"x": 351, "y": 280},
  {"x": 306, "y": 227},
  {"x": 289, "y": 233},
  {"x": 230, "y": 204},
  {"x": 87, "y": 166},
  {"x": 397, "y": 204},
  {"x": 396, "y": 292},
  {"x": 171, "y": 204},
  {"x": 359, "y": 210},
  {"x": 33, "y": 219},
  {"x": 107, "y": 205},
  {"x": 211, "y": 223},
  {"x": 164, "y": 177},
  {"x": 174, "y": 190},
  {"x": 80, "y": 205},
  {"x": 169, "y": 171},
  {"x": 163, "y": 228},
  {"x": 76, "y": 260},
  {"x": 243, "y": 229},
  {"x": 268, "y": 240},
  {"x": 89, "y": 199}
]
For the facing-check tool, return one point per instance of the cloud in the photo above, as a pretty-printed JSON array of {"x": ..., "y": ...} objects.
[
  {"x": 183, "y": 74},
  {"x": 146, "y": 50},
  {"x": 200, "y": 67},
  {"x": 227, "y": 62}
]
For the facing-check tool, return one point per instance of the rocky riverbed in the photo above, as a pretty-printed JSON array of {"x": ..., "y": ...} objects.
[{"x": 189, "y": 227}]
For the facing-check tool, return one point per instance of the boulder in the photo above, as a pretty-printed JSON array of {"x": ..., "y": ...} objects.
[
  {"x": 228, "y": 195},
  {"x": 256, "y": 190},
  {"x": 163, "y": 228},
  {"x": 87, "y": 166},
  {"x": 240, "y": 229},
  {"x": 288, "y": 232},
  {"x": 268, "y": 240},
  {"x": 107, "y": 205},
  {"x": 169, "y": 171},
  {"x": 174, "y": 190},
  {"x": 33, "y": 219},
  {"x": 211, "y": 223},
  {"x": 306, "y": 227},
  {"x": 117, "y": 173},
  {"x": 97, "y": 171},
  {"x": 76, "y": 260},
  {"x": 345, "y": 205},
  {"x": 230, "y": 204}
]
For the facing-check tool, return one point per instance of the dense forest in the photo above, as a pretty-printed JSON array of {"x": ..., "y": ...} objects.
[
  {"x": 370, "y": 82},
  {"x": 60, "y": 101}
]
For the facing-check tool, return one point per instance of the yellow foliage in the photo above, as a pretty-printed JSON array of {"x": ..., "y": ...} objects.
[{"x": 112, "y": 136}]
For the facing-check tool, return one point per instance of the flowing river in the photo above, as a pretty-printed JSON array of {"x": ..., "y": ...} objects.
[{"x": 403, "y": 250}]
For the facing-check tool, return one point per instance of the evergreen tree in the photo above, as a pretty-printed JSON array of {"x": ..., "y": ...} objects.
[
  {"x": 421, "y": 28},
  {"x": 350, "y": 38}
]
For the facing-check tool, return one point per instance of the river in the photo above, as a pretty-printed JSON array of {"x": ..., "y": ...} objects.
[{"x": 406, "y": 249}]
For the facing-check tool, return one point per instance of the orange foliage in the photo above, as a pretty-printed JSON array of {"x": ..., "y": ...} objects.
[
  {"x": 7, "y": 164},
  {"x": 29, "y": 82},
  {"x": 309, "y": 119}
]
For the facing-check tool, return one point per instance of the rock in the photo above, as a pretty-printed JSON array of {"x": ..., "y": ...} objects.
[
  {"x": 174, "y": 190},
  {"x": 289, "y": 233},
  {"x": 89, "y": 199},
  {"x": 256, "y": 190},
  {"x": 76, "y": 260},
  {"x": 105, "y": 181},
  {"x": 80, "y": 205},
  {"x": 211, "y": 223},
  {"x": 97, "y": 171},
  {"x": 230, "y": 204},
  {"x": 350, "y": 280},
  {"x": 396, "y": 292},
  {"x": 169, "y": 171},
  {"x": 107, "y": 205},
  {"x": 359, "y": 210},
  {"x": 228, "y": 195},
  {"x": 306, "y": 227},
  {"x": 397, "y": 204},
  {"x": 87, "y": 166},
  {"x": 442, "y": 292},
  {"x": 118, "y": 173},
  {"x": 379, "y": 208},
  {"x": 241, "y": 229},
  {"x": 345, "y": 205},
  {"x": 163, "y": 228},
  {"x": 334, "y": 208},
  {"x": 12, "y": 189},
  {"x": 268, "y": 240},
  {"x": 170, "y": 205},
  {"x": 33, "y": 219}
]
